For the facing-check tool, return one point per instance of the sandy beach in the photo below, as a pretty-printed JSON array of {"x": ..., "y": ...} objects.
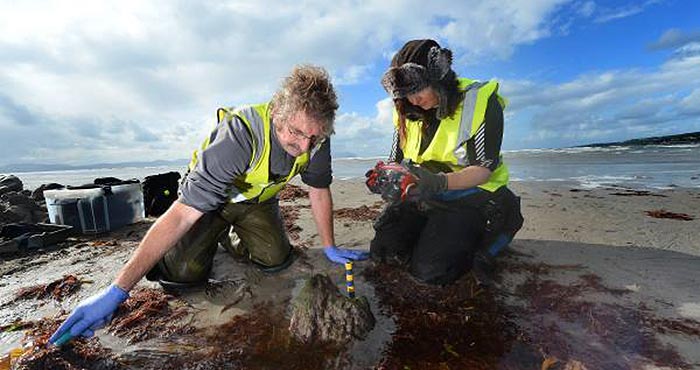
[{"x": 592, "y": 281}]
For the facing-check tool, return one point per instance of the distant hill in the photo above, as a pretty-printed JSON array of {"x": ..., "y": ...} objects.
[
  {"x": 37, "y": 167},
  {"x": 687, "y": 138}
]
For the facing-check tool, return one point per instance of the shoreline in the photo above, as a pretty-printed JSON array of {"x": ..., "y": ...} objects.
[{"x": 569, "y": 234}]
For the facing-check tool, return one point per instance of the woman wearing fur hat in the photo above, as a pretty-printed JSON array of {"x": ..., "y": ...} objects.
[{"x": 448, "y": 132}]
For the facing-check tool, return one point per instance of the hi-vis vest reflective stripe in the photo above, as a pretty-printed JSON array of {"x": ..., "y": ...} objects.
[
  {"x": 255, "y": 183},
  {"x": 449, "y": 143}
]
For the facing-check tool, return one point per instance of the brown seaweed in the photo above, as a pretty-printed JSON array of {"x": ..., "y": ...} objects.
[
  {"x": 148, "y": 313},
  {"x": 662, "y": 213},
  {"x": 78, "y": 354},
  {"x": 292, "y": 192},
  {"x": 636, "y": 193},
  {"x": 361, "y": 213},
  {"x": 57, "y": 289}
]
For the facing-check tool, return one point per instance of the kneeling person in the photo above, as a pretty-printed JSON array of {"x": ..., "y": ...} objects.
[{"x": 233, "y": 181}]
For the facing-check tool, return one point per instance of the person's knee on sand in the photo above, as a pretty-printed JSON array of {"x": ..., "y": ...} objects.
[
  {"x": 397, "y": 231},
  {"x": 272, "y": 256},
  {"x": 191, "y": 271}
]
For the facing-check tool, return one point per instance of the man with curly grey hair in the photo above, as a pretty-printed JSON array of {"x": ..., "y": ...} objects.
[{"x": 232, "y": 184}]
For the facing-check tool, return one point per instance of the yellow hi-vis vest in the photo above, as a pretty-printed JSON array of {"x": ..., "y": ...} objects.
[
  {"x": 449, "y": 145},
  {"x": 255, "y": 183}
]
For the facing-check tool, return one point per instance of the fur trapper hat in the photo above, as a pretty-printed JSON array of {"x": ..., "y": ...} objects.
[{"x": 419, "y": 64}]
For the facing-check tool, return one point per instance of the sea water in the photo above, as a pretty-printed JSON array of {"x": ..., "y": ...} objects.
[{"x": 651, "y": 166}]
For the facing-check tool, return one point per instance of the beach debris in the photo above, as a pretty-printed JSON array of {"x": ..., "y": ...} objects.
[
  {"x": 292, "y": 192},
  {"x": 361, "y": 213},
  {"x": 57, "y": 289},
  {"x": 79, "y": 354},
  {"x": 148, "y": 314},
  {"x": 457, "y": 326},
  {"x": 7, "y": 361},
  {"x": 636, "y": 193},
  {"x": 104, "y": 243},
  {"x": 16, "y": 326},
  {"x": 487, "y": 330},
  {"x": 662, "y": 213},
  {"x": 320, "y": 313},
  {"x": 625, "y": 337}
]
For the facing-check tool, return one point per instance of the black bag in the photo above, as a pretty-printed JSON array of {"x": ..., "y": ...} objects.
[
  {"x": 159, "y": 192},
  {"x": 503, "y": 219}
]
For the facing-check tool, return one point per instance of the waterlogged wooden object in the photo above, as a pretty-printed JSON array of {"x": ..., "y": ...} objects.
[{"x": 321, "y": 313}]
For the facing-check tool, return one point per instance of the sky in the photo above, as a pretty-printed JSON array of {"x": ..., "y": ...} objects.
[{"x": 113, "y": 81}]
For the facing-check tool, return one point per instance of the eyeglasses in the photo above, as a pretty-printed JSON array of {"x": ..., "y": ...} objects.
[{"x": 299, "y": 135}]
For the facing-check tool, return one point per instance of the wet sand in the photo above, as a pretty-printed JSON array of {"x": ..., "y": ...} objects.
[{"x": 591, "y": 277}]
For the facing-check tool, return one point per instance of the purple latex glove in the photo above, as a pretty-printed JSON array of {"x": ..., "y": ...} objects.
[
  {"x": 90, "y": 315},
  {"x": 342, "y": 255}
]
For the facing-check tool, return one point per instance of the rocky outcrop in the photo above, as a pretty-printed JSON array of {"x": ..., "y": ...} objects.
[
  {"x": 10, "y": 183},
  {"x": 16, "y": 204},
  {"x": 321, "y": 313},
  {"x": 38, "y": 193}
]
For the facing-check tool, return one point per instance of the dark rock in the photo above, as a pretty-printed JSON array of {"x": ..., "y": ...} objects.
[
  {"x": 10, "y": 183},
  {"x": 38, "y": 193},
  {"x": 320, "y": 313},
  {"x": 15, "y": 206}
]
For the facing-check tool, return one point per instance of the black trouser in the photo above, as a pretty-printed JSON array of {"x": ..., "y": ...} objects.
[
  {"x": 437, "y": 244},
  {"x": 438, "y": 240}
]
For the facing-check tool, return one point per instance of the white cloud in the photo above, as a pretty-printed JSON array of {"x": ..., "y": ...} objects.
[
  {"x": 130, "y": 80},
  {"x": 618, "y": 104},
  {"x": 586, "y": 8},
  {"x": 690, "y": 104},
  {"x": 77, "y": 70},
  {"x": 360, "y": 136},
  {"x": 628, "y": 10},
  {"x": 675, "y": 38}
]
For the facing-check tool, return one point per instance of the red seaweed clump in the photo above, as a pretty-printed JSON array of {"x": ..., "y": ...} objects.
[
  {"x": 148, "y": 313},
  {"x": 565, "y": 325},
  {"x": 458, "y": 326},
  {"x": 78, "y": 354},
  {"x": 58, "y": 289},
  {"x": 292, "y": 192},
  {"x": 662, "y": 213},
  {"x": 361, "y": 213}
]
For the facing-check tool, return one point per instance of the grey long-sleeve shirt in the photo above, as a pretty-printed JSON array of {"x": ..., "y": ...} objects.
[{"x": 209, "y": 185}]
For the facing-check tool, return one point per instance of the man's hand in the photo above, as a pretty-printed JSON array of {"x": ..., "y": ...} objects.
[
  {"x": 428, "y": 183},
  {"x": 92, "y": 314},
  {"x": 341, "y": 255}
]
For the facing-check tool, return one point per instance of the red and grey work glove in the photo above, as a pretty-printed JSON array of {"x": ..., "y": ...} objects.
[
  {"x": 392, "y": 180},
  {"x": 428, "y": 184}
]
